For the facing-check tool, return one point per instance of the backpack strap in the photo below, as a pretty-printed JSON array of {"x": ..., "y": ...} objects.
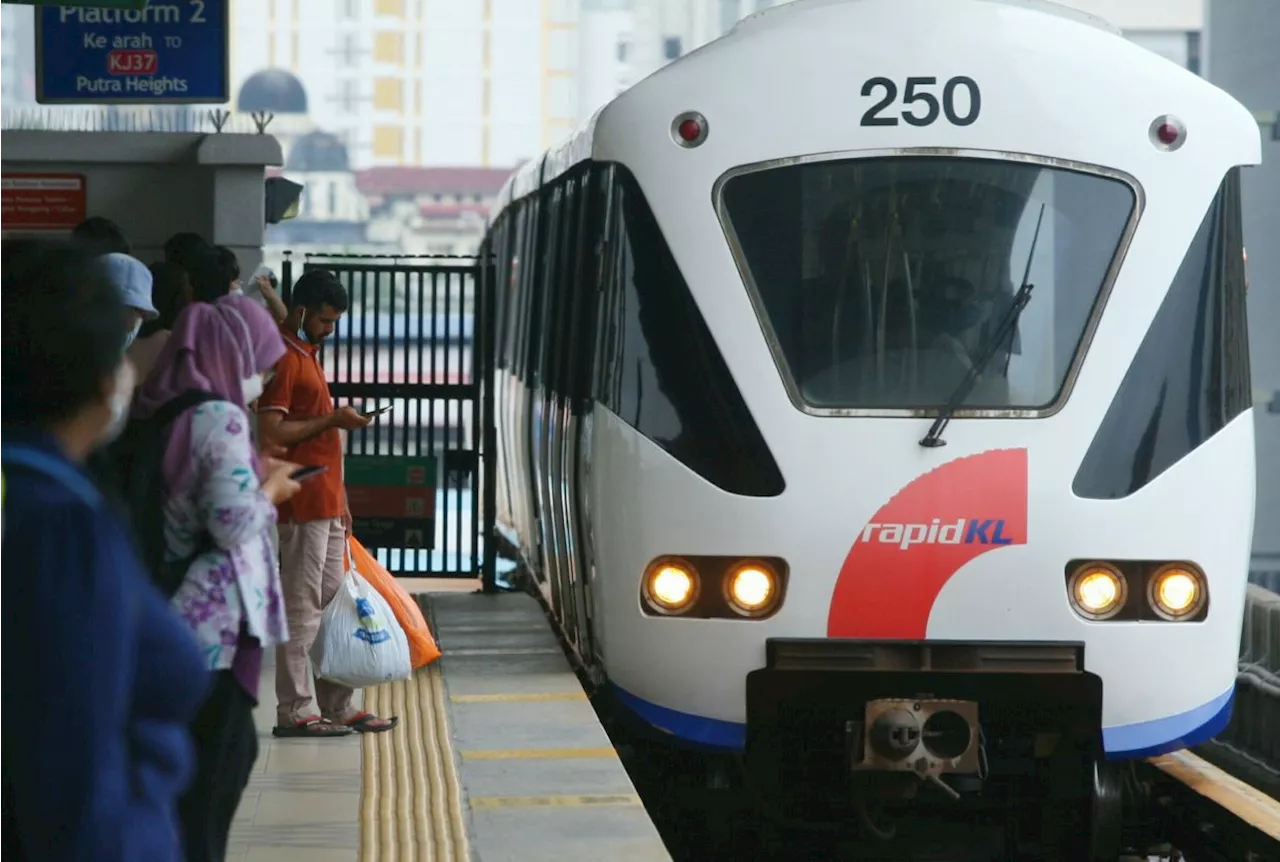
[
  {"x": 175, "y": 407},
  {"x": 56, "y": 469}
]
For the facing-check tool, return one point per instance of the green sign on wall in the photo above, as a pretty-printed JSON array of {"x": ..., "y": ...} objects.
[{"x": 393, "y": 500}]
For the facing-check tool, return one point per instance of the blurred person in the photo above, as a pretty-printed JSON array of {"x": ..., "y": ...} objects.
[
  {"x": 219, "y": 513},
  {"x": 213, "y": 274},
  {"x": 132, "y": 278},
  {"x": 98, "y": 235},
  {"x": 231, "y": 265},
  {"x": 265, "y": 287},
  {"x": 296, "y": 411},
  {"x": 170, "y": 293},
  {"x": 111, "y": 671},
  {"x": 183, "y": 248}
]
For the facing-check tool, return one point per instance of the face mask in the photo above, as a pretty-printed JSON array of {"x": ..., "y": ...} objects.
[
  {"x": 133, "y": 333},
  {"x": 302, "y": 329},
  {"x": 119, "y": 403},
  {"x": 252, "y": 388}
]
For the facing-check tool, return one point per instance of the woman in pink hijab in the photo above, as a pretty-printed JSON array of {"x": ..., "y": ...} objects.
[{"x": 219, "y": 512}]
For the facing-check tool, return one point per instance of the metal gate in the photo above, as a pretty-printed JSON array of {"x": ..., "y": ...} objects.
[{"x": 418, "y": 336}]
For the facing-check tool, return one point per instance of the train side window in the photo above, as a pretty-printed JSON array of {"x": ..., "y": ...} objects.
[
  {"x": 545, "y": 334},
  {"x": 559, "y": 322},
  {"x": 587, "y": 221},
  {"x": 511, "y": 290},
  {"x": 665, "y": 375},
  {"x": 1190, "y": 376},
  {"x": 501, "y": 273},
  {"x": 529, "y": 285}
]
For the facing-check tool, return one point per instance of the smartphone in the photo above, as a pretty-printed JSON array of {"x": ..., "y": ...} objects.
[
  {"x": 377, "y": 411},
  {"x": 306, "y": 473}
]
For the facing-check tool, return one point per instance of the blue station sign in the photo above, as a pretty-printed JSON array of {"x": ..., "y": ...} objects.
[{"x": 169, "y": 52}]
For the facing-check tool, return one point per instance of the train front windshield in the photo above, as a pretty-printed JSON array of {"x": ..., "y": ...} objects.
[{"x": 880, "y": 280}]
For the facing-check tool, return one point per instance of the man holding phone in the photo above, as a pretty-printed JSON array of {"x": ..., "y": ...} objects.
[{"x": 296, "y": 411}]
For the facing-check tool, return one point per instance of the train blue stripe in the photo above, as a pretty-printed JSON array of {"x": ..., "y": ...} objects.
[
  {"x": 696, "y": 729},
  {"x": 1143, "y": 739},
  {"x": 1149, "y": 738}
]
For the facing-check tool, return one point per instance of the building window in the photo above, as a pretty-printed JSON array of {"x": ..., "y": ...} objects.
[
  {"x": 348, "y": 50},
  {"x": 388, "y": 47},
  {"x": 394, "y": 8},
  {"x": 1193, "y": 51},
  {"x": 624, "y": 48},
  {"x": 388, "y": 142},
  {"x": 348, "y": 96},
  {"x": 671, "y": 47},
  {"x": 350, "y": 9},
  {"x": 388, "y": 94}
]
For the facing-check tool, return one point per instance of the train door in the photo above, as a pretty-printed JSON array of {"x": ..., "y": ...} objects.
[
  {"x": 519, "y": 409},
  {"x": 579, "y": 355},
  {"x": 560, "y": 330},
  {"x": 541, "y": 389},
  {"x": 501, "y": 246}
]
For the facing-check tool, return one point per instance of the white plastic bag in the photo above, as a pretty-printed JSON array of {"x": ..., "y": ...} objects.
[{"x": 360, "y": 643}]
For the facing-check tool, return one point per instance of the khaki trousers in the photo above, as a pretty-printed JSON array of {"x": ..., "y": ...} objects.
[{"x": 311, "y": 571}]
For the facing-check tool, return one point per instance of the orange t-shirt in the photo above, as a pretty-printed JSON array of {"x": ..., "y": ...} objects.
[{"x": 299, "y": 391}]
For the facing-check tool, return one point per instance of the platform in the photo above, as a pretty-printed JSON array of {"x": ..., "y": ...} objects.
[{"x": 498, "y": 756}]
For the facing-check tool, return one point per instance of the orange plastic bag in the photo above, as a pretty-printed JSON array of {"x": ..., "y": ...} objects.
[{"x": 422, "y": 646}]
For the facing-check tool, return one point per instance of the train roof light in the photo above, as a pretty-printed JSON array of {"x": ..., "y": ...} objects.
[
  {"x": 689, "y": 129},
  {"x": 1167, "y": 132}
]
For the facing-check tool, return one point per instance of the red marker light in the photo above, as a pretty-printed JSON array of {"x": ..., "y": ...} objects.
[
  {"x": 689, "y": 129},
  {"x": 1167, "y": 132}
]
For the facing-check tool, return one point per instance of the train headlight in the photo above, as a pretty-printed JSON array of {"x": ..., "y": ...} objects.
[
  {"x": 1176, "y": 592},
  {"x": 671, "y": 586},
  {"x": 1098, "y": 591},
  {"x": 751, "y": 589}
]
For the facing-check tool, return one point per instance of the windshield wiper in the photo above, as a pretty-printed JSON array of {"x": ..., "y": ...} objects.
[{"x": 1020, "y": 299}]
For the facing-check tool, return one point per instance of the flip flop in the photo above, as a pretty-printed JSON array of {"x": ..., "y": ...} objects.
[
  {"x": 311, "y": 726},
  {"x": 363, "y": 723}
]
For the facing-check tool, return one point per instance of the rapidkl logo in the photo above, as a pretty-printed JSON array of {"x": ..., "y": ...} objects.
[
  {"x": 904, "y": 556},
  {"x": 966, "y": 531}
]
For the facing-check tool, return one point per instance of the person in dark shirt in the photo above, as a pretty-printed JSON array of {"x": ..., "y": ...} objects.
[
  {"x": 98, "y": 236},
  {"x": 184, "y": 247},
  {"x": 214, "y": 272},
  {"x": 110, "y": 669}
]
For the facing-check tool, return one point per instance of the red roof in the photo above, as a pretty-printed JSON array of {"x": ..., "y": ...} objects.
[{"x": 413, "y": 181}]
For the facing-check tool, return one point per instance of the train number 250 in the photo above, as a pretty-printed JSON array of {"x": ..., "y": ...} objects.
[{"x": 916, "y": 93}]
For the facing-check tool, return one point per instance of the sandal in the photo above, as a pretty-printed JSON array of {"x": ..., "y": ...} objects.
[
  {"x": 311, "y": 726},
  {"x": 363, "y": 722}
]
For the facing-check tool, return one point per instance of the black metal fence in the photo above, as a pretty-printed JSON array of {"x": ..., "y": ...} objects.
[{"x": 417, "y": 337}]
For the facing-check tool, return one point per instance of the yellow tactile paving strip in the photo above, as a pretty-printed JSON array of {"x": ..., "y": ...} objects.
[{"x": 411, "y": 807}]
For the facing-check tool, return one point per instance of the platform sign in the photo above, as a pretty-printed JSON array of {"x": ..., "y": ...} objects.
[
  {"x": 41, "y": 201},
  {"x": 393, "y": 500},
  {"x": 105, "y": 4},
  {"x": 169, "y": 52}
]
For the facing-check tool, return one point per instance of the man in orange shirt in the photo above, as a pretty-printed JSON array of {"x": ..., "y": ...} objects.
[{"x": 297, "y": 412}]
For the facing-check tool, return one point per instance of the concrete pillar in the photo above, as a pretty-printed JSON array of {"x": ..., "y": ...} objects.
[
  {"x": 1241, "y": 56},
  {"x": 155, "y": 184}
]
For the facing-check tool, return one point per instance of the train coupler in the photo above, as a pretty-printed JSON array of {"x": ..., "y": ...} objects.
[{"x": 924, "y": 737}]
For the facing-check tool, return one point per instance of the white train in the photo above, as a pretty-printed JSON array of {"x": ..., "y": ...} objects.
[{"x": 873, "y": 396}]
